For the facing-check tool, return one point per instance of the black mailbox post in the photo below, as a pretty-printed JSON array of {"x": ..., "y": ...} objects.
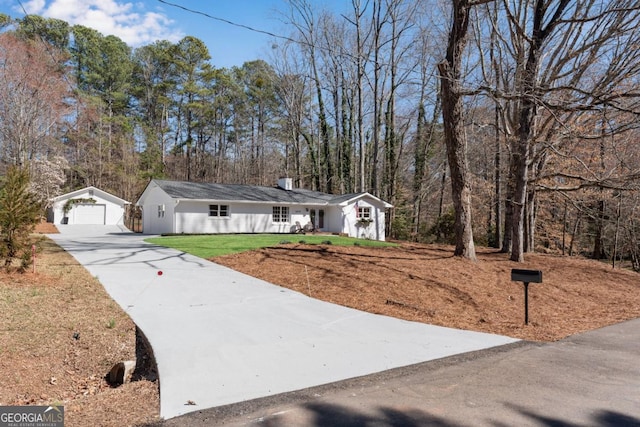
[{"x": 526, "y": 277}]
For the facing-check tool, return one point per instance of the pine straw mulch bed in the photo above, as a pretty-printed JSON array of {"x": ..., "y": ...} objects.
[
  {"x": 41, "y": 363},
  {"x": 425, "y": 283}
]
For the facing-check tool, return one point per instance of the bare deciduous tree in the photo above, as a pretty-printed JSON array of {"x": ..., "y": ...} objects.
[
  {"x": 33, "y": 92},
  {"x": 569, "y": 60},
  {"x": 453, "y": 117}
]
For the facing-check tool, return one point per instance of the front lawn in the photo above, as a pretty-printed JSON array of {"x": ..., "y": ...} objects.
[{"x": 209, "y": 246}]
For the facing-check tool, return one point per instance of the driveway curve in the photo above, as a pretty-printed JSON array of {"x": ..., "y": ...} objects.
[{"x": 222, "y": 337}]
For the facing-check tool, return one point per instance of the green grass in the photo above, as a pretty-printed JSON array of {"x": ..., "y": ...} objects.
[{"x": 209, "y": 246}]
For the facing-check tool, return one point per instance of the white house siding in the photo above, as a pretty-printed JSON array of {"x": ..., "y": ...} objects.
[
  {"x": 106, "y": 210},
  {"x": 153, "y": 223},
  {"x": 375, "y": 230},
  {"x": 299, "y": 214},
  {"x": 193, "y": 217},
  {"x": 333, "y": 219}
]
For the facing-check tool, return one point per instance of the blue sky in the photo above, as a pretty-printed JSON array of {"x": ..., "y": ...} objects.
[{"x": 140, "y": 22}]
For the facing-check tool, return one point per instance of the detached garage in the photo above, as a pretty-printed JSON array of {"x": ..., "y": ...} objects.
[{"x": 90, "y": 206}]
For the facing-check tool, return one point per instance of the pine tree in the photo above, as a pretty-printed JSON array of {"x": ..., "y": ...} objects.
[{"x": 19, "y": 213}]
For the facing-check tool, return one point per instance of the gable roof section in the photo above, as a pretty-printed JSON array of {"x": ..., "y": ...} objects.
[
  {"x": 353, "y": 197},
  {"x": 102, "y": 193},
  {"x": 182, "y": 190}
]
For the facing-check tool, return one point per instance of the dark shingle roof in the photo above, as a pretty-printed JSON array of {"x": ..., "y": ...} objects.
[
  {"x": 344, "y": 197},
  {"x": 246, "y": 193}
]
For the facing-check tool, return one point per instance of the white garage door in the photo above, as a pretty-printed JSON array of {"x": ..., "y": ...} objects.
[{"x": 89, "y": 214}]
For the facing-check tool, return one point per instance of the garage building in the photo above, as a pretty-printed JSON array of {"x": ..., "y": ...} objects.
[{"x": 89, "y": 205}]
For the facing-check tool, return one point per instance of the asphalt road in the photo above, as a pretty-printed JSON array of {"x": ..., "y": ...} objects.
[{"x": 590, "y": 379}]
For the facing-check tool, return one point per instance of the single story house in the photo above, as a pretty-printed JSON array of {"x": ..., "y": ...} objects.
[
  {"x": 89, "y": 205},
  {"x": 173, "y": 207}
]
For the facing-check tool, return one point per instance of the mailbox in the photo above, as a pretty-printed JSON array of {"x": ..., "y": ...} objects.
[{"x": 526, "y": 276}]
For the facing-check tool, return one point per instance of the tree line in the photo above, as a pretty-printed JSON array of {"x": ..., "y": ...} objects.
[{"x": 508, "y": 123}]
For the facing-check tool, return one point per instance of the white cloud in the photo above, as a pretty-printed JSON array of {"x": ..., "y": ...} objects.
[{"x": 128, "y": 21}]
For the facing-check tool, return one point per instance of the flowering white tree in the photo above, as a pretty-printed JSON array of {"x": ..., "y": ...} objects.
[{"x": 47, "y": 178}]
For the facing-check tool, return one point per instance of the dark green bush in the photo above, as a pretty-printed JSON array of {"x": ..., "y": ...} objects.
[{"x": 443, "y": 231}]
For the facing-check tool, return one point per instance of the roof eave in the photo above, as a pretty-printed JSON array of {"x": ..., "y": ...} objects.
[
  {"x": 361, "y": 195},
  {"x": 91, "y": 187},
  {"x": 248, "y": 202}
]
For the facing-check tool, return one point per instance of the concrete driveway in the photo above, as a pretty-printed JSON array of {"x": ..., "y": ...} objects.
[{"x": 222, "y": 337}]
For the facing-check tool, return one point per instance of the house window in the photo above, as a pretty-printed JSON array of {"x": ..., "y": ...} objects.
[
  {"x": 160, "y": 211},
  {"x": 364, "y": 213},
  {"x": 280, "y": 214},
  {"x": 218, "y": 210}
]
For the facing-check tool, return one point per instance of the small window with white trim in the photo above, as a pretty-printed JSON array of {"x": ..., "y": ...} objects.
[
  {"x": 364, "y": 213},
  {"x": 218, "y": 210},
  {"x": 280, "y": 214},
  {"x": 160, "y": 211}
]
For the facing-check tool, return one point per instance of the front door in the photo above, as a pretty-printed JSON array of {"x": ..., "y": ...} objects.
[{"x": 317, "y": 218}]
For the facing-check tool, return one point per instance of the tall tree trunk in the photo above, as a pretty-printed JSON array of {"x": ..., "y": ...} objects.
[
  {"x": 564, "y": 228},
  {"x": 420, "y": 166},
  {"x": 574, "y": 233},
  {"x": 508, "y": 215},
  {"x": 327, "y": 170},
  {"x": 617, "y": 233},
  {"x": 530, "y": 222},
  {"x": 425, "y": 137},
  {"x": 315, "y": 167},
  {"x": 519, "y": 173},
  {"x": 347, "y": 142},
  {"x": 542, "y": 28},
  {"x": 598, "y": 245},
  {"x": 393, "y": 138},
  {"x": 455, "y": 137},
  {"x": 377, "y": 97},
  {"x": 362, "y": 184},
  {"x": 305, "y": 24},
  {"x": 497, "y": 176},
  {"x": 391, "y": 152},
  {"x": 496, "y": 64},
  {"x": 443, "y": 182}
]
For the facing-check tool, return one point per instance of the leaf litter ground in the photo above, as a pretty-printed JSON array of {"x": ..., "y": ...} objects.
[{"x": 425, "y": 283}]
